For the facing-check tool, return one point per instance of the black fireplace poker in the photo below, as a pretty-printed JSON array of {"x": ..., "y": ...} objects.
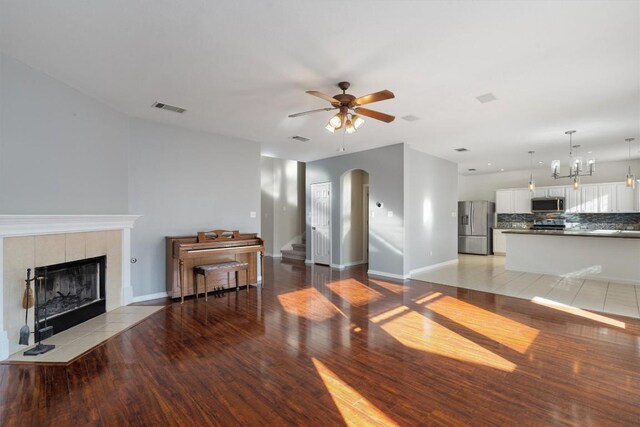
[{"x": 40, "y": 348}]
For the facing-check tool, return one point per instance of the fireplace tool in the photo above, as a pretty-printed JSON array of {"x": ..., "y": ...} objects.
[
  {"x": 27, "y": 301},
  {"x": 41, "y": 333}
]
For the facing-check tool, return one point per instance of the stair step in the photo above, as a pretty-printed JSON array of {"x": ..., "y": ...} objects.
[
  {"x": 297, "y": 255},
  {"x": 299, "y": 247}
]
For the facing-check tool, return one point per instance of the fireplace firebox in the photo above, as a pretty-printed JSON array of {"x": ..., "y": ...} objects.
[{"x": 70, "y": 293}]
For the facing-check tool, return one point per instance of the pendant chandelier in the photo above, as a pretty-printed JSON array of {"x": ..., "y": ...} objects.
[
  {"x": 630, "y": 180},
  {"x": 576, "y": 165},
  {"x": 532, "y": 183}
]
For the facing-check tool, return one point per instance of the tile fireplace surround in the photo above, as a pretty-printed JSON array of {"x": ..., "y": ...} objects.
[{"x": 29, "y": 241}]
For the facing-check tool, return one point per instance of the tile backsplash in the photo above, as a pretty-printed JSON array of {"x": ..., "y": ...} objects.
[{"x": 576, "y": 221}]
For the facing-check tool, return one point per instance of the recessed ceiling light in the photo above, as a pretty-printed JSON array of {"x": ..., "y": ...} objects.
[
  {"x": 540, "y": 162},
  {"x": 410, "y": 118},
  {"x": 501, "y": 170},
  {"x": 487, "y": 97},
  {"x": 488, "y": 164},
  {"x": 460, "y": 150},
  {"x": 589, "y": 152}
]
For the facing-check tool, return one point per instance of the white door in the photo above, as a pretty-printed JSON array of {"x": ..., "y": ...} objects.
[{"x": 321, "y": 223}]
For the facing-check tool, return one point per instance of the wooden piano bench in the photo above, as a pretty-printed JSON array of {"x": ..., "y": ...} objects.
[{"x": 221, "y": 267}]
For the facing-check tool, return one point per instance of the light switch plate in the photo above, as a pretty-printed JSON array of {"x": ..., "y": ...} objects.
[{"x": 252, "y": 214}]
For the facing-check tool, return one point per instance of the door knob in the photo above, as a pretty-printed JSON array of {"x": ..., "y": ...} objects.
[{"x": 313, "y": 228}]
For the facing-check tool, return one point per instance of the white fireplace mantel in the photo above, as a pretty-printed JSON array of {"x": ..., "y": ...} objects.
[
  {"x": 34, "y": 225},
  {"x": 28, "y": 225}
]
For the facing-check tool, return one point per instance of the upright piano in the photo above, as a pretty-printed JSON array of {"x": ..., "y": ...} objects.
[{"x": 217, "y": 246}]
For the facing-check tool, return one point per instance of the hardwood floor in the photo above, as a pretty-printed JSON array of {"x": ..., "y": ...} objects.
[{"x": 323, "y": 347}]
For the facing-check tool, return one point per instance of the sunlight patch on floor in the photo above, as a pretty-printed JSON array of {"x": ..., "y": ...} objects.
[
  {"x": 308, "y": 303},
  {"x": 392, "y": 287},
  {"x": 578, "y": 312},
  {"x": 416, "y": 331},
  {"x": 345, "y": 397},
  {"x": 507, "y": 332},
  {"x": 354, "y": 292}
]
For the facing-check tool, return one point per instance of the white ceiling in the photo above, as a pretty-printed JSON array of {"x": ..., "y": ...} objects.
[{"x": 240, "y": 67}]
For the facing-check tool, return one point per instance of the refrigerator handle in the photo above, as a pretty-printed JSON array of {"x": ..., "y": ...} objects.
[{"x": 471, "y": 215}]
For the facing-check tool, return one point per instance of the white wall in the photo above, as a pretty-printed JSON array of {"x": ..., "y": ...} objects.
[
  {"x": 184, "y": 181},
  {"x": 61, "y": 152},
  {"x": 282, "y": 203},
  {"x": 431, "y": 204},
  {"x": 483, "y": 187},
  {"x": 385, "y": 166}
]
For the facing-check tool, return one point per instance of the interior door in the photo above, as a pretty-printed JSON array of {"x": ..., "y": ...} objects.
[
  {"x": 321, "y": 223},
  {"x": 365, "y": 217}
]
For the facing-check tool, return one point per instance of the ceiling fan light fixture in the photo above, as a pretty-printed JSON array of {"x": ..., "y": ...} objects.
[
  {"x": 336, "y": 121},
  {"x": 330, "y": 128},
  {"x": 357, "y": 121},
  {"x": 349, "y": 127}
]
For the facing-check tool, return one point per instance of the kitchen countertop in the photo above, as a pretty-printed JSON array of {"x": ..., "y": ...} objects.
[{"x": 620, "y": 234}]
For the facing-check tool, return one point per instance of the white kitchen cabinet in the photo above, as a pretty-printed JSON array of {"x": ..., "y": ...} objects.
[
  {"x": 517, "y": 200},
  {"x": 540, "y": 192},
  {"x": 624, "y": 198},
  {"x": 589, "y": 199},
  {"x": 572, "y": 200},
  {"x": 522, "y": 201},
  {"x": 555, "y": 192},
  {"x": 504, "y": 201},
  {"x": 607, "y": 198},
  {"x": 499, "y": 243}
]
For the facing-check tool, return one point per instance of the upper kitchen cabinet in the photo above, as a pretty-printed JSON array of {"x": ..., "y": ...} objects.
[
  {"x": 517, "y": 200},
  {"x": 625, "y": 198},
  {"x": 572, "y": 200},
  {"x": 589, "y": 198},
  {"x": 555, "y": 192}
]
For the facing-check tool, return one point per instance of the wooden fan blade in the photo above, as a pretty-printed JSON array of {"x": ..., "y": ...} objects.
[
  {"x": 373, "y": 97},
  {"x": 304, "y": 113},
  {"x": 375, "y": 114},
  {"x": 324, "y": 96}
]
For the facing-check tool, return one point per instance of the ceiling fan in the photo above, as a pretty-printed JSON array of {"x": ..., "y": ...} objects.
[{"x": 350, "y": 110}]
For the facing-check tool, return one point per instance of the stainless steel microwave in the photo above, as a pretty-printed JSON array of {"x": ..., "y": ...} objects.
[{"x": 547, "y": 204}]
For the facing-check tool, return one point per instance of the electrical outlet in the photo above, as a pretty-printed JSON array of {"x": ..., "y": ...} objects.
[
  {"x": 252, "y": 214},
  {"x": 390, "y": 214}
]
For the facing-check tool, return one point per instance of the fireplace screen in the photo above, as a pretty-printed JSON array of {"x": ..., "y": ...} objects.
[{"x": 71, "y": 292}]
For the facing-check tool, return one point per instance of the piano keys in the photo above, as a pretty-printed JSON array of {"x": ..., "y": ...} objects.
[{"x": 185, "y": 252}]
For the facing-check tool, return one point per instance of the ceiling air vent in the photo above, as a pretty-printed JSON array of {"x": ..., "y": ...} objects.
[
  {"x": 411, "y": 118},
  {"x": 460, "y": 150},
  {"x": 168, "y": 107},
  {"x": 471, "y": 170},
  {"x": 487, "y": 97},
  {"x": 300, "y": 138}
]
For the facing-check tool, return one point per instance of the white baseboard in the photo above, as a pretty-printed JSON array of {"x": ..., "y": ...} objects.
[
  {"x": 433, "y": 267},
  {"x": 308, "y": 261},
  {"x": 149, "y": 297},
  {"x": 274, "y": 255},
  {"x": 385, "y": 274},
  {"x": 347, "y": 264}
]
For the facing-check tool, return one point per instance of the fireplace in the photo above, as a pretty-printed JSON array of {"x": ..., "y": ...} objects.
[{"x": 70, "y": 293}]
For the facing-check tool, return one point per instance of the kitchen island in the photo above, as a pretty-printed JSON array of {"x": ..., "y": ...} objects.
[{"x": 606, "y": 255}]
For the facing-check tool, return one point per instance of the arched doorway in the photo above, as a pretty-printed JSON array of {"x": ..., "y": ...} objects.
[{"x": 354, "y": 217}]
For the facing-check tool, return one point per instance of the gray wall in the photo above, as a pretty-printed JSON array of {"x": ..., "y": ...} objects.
[
  {"x": 431, "y": 203},
  {"x": 352, "y": 221},
  {"x": 386, "y": 175},
  {"x": 184, "y": 181},
  {"x": 61, "y": 152},
  {"x": 266, "y": 203}
]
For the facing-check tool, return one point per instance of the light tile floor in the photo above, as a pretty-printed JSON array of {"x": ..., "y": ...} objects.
[
  {"x": 488, "y": 273},
  {"x": 79, "y": 339}
]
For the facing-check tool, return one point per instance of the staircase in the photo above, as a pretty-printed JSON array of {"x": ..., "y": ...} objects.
[{"x": 297, "y": 253}]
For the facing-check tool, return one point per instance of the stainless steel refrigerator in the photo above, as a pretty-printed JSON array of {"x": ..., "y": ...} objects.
[{"x": 475, "y": 221}]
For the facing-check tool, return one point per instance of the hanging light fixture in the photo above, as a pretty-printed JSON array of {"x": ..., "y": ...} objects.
[
  {"x": 532, "y": 183},
  {"x": 344, "y": 119},
  {"x": 630, "y": 181},
  {"x": 576, "y": 165}
]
